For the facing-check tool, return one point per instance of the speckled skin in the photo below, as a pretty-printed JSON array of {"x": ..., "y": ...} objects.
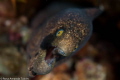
[{"x": 77, "y": 26}]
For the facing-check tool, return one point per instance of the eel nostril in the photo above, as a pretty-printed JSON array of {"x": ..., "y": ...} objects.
[{"x": 30, "y": 69}]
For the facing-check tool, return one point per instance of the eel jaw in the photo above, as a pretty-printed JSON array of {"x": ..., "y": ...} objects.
[
  {"x": 54, "y": 55},
  {"x": 46, "y": 60}
]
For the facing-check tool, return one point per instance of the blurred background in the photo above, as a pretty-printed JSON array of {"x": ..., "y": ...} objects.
[{"x": 99, "y": 59}]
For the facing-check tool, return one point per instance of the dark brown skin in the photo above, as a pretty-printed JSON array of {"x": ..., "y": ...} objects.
[{"x": 61, "y": 36}]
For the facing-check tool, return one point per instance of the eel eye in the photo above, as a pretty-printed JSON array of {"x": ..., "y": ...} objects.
[{"x": 59, "y": 32}]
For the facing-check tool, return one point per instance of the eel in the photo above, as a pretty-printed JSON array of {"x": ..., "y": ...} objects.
[{"x": 57, "y": 35}]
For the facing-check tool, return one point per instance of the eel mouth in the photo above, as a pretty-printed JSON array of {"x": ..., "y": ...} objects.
[
  {"x": 54, "y": 53},
  {"x": 46, "y": 60}
]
